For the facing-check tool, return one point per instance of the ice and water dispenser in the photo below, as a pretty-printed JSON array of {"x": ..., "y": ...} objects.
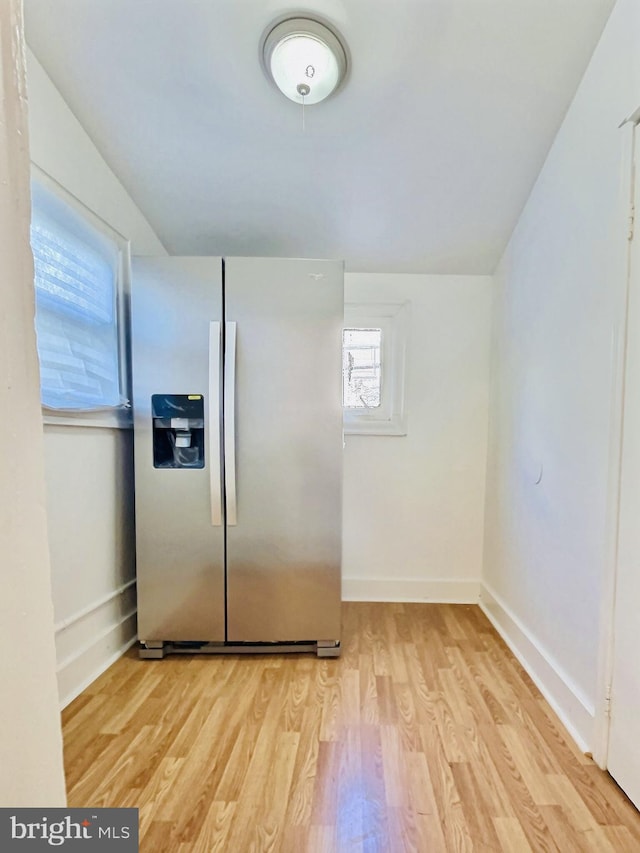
[{"x": 178, "y": 430}]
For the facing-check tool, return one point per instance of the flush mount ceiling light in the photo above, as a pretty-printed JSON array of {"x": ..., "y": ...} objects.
[{"x": 305, "y": 59}]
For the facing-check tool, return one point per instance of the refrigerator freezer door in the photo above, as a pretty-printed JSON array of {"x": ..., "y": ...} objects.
[
  {"x": 284, "y": 551},
  {"x": 176, "y": 303}
]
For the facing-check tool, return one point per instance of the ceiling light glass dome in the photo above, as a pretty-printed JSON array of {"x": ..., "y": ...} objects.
[{"x": 305, "y": 59}]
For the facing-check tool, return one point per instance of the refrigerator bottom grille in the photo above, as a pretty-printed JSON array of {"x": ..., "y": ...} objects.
[{"x": 157, "y": 651}]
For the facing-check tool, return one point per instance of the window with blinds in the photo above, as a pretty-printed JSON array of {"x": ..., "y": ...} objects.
[{"x": 76, "y": 285}]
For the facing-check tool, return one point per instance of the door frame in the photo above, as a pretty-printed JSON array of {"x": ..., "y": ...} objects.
[{"x": 621, "y": 272}]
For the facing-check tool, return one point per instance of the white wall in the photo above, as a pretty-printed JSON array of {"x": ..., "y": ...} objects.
[
  {"x": 88, "y": 469},
  {"x": 61, "y": 147},
  {"x": 90, "y": 511},
  {"x": 30, "y": 736},
  {"x": 414, "y": 504},
  {"x": 557, "y": 314}
]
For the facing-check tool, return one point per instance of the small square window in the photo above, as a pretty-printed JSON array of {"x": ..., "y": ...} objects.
[
  {"x": 373, "y": 361},
  {"x": 361, "y": 368}
]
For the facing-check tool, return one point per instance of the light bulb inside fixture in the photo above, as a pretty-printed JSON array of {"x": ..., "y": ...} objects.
[{"x": 301, "y": 64}]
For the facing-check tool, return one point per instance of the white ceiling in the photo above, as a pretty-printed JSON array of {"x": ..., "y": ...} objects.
[{"x": 421, "y": 163}]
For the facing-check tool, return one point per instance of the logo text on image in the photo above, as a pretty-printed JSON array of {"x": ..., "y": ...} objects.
[{"x": 44, "y": 828}]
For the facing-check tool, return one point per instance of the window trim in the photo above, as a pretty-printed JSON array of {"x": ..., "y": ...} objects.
[
  {"x": 118, "y": 417},
  {"x": 390, "y": 417}
]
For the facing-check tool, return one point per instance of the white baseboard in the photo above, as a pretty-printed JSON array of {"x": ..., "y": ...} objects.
[
  {"x": 410, "y": 590},
  {"x": 576, "y": 713},
  {"x": 77, "y": 677},
  {"x": 89, "y": 641}
]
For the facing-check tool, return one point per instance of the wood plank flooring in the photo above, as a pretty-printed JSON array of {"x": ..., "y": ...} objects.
[{"x": 426, "y": 735}]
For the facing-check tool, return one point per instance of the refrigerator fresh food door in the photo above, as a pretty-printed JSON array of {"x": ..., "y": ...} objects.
[
  {"x": 283, "y": 448},
  {"x": 176, "y": 314}
]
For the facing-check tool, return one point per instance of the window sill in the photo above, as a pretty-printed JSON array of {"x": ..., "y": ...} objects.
[
  {"x": 118, "y": 419},
  {"x": 372, "y": 427}
]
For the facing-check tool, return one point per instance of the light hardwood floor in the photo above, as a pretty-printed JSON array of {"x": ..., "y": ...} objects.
[{"x": 426, "y": 735}]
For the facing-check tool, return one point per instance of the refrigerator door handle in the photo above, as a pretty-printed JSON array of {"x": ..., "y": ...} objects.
[
  {"x": 230, "y": 422},
  {"x": 215, "y": 474}
]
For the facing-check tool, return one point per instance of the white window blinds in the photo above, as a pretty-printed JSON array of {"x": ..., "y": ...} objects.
[{"x": 76, "y": 273}]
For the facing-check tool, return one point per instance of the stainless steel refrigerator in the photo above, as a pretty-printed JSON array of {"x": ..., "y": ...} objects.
[{"x": 238, "y": 453}]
